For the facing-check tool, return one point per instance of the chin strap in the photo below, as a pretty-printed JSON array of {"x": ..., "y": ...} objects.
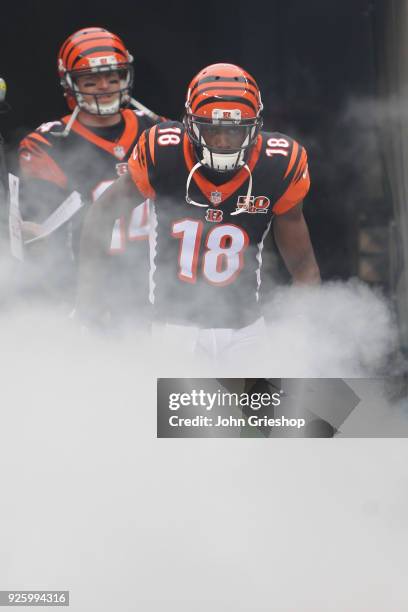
[
  {"x": 237, "y": 212},
  {"x": 190, "y": 176},
  {"x": 68, "y": 127},
  {"x": 248, "y": 195}
]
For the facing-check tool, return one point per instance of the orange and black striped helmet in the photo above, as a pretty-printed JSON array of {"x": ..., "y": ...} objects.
[
  {"x": 92, "y": 51},
  {"x": 223, "y": 115}
]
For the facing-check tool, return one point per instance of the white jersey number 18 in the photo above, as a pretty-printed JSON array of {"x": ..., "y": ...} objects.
[{"x": 223, "y": 258}]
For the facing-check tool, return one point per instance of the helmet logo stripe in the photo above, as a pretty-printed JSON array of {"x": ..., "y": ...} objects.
[
  {"x": 106, "y": 49},
  {"x": 215, "y": 79},
  {"x": 225, "y": 99}
]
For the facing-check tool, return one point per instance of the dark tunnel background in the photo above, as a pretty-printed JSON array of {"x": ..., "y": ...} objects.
[{"x": 311, "y": 59}]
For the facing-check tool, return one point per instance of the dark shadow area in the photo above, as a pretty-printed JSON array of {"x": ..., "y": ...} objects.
[{"x": 311, "y": 60}]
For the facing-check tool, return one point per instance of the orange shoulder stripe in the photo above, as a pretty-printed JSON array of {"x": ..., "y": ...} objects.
[
  {"x": 40, "y": 138},
  {"x": 301, "y": 166},
  {"x": 29, "y": 142},
  {"x": 293, "y": 157},
  {"x": 152, "y": 134},
  {"x": 297, "y": 189},
  {"x": 36, "y": 164},
  {"x": 137, "y": 165}
]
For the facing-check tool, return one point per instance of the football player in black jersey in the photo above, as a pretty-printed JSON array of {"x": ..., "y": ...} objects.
[
  {"x": 217, "y": 182},
  {"x": 86, "y": 151}
]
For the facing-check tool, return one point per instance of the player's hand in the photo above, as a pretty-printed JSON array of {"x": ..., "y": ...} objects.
[{"x": 30, "y": 229}]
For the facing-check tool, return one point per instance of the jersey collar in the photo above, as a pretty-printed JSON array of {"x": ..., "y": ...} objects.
[
  {"x": 114, "y": 148},
  {"x": 225, "y": 189}
]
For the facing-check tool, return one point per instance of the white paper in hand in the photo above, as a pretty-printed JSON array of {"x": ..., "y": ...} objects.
[
  {"x": 64, "y": 212},
  {"x": 16, "y": 236}
]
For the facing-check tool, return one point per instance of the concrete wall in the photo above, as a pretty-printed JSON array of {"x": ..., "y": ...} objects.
[{"x": 392, "y": 42}]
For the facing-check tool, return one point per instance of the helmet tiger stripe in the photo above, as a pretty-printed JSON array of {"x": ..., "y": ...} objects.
[
  {"x": 225, "y": 85},
  {"x": 92, "y": 50},
  {"x": 223, "y": 116}
]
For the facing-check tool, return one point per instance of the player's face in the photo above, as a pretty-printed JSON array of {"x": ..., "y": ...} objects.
[
  {"x": 226, "y": 138},
  {"x": 105, "y": 84}
]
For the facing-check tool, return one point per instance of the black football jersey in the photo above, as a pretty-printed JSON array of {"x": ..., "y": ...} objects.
[
  {"x": 85, "y": 161},
  {"x": 88, "y": 160},
  {"x": 206, "y": 246}
]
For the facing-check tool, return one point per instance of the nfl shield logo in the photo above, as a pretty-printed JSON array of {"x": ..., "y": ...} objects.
[
  {"x": 119, "y": 152},
  {"x": 216, "y": 197}
]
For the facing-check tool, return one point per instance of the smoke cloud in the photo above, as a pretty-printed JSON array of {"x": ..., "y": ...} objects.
[{"x": 94, "y": 503}]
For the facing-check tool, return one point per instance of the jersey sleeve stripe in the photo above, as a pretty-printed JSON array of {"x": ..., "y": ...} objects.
[
  {"x": 297, "y": 189},
  {"x": 131, "y": 129},
  {"x": 301, "y": 167},
  {"x": 27, "y": 144},
  {"x": 36, "y": 136},
  {"x": 293, "y": 157},
  {"x": 39, "y": 165},
  {"x": 152, "y": 135},
  {"x": 138, "y": 168}
]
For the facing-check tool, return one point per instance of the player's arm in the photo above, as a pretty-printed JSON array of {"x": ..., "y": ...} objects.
[
  {"x": 43, "y": 183},
  {"x": 43, "y": 187},
  {"x": 290, "y": 230},
  {"x": 117, "y": 201},
  {"x": 120, "y": 199},
  {"x": 293, "y": 241}
]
